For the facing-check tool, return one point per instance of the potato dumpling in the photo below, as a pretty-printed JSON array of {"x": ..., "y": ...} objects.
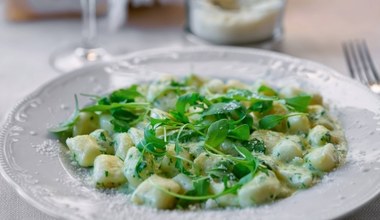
[
  {"x": 137, "y": 167},
  {"x": 228, "y": 200},
  {"x": 235, "y": 84},
  {"x": 195, "y": 114},
  {"x": 122, "y": 143},
  {"x": 323, "y": 158},
  {"x": 296, "y": 176},
  {"x": 105, "y": 122},
  {"x": 148, "y": 193},
  {"x": 84, "y": 148},
  {"x": 184, "y": 181},
  {"x": 156, "y": 89},
  {"x": 270, "y": 138},
  {"x": 166, "y": 102},
  {"x": 104, "y": 141},
  {"x": 316, "y": 99},
  {"x": 290, "y": 92},
  {"x": 167, "y": 164},
  {"x": 159, "y": 114},
  {"x": 108, "y": 171},
  {"x": 298, "y": 124},
  {"x": 136, "y": 134},
  {"x": 215, "y": 86},
  {"x": 318, "y": 116},
  {"x": 194, "y": 148},
  {"x": 264, "y": 187},
  {"x": 319, "y": 136},
  {"x": 286, "y": 150},
  {"x": 86, "y": 123},
  {"x": 205, "y": 162}
]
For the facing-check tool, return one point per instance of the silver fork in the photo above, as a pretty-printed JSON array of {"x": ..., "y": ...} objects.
[{"x": 360, "y": 64}]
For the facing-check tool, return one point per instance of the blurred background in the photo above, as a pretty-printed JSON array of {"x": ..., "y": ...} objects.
[
  {"x": 313, "y": 29},
  {"x": 38, "y": 37}
]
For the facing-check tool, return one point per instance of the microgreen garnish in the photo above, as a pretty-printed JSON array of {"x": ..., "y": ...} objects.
[
  {"x": 271, "y": 121},
  {"x": 217, "y": 133},
  {"x": 299, "y": 103},
  {"x": 65, "y": 129},
  {"x": 261, "y": 106},
  {"x": 267, "y": 90},
  {"x": 151, "y": 143},
  {"x": 172, "y": 123}
]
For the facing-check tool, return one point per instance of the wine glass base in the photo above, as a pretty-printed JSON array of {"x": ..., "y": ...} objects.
[{"x": 74, "y": 57}]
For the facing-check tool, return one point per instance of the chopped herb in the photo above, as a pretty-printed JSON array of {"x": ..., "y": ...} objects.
[
  {"x": 255, "y": 145},
  {"x": 102, "y": 136}
]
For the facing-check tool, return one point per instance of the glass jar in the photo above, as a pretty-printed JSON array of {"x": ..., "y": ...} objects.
[{"x": 234, "y": 22}]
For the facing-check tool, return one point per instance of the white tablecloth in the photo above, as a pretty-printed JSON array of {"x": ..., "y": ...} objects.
[{"x": 314, "y": 30}]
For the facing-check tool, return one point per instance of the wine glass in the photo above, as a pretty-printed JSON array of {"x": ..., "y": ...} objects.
[{"x": 87, "y": 51}]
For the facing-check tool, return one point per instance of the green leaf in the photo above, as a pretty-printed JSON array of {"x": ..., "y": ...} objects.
[
  {"x": 244, "y": 152},
  {"x": 241, "y": 132},
  {"x": 248, "y": 120},
  {"x": 246, "y": 178},
  {"x": 184, "y": 100},
  {"x": 271, "y": 121},
  {"x": 164, "y": 121},
  {"x": 179, "y": 162},
  {"x": 240, "y": 170},
  {"x": 201, "y": 186},
  {"x": 222, "y": 108},
  {"x": 247, "y": 95},
  {"x": 120, "y": 125},
  {"x": 121, "y": 119},
  {"x": 140, "y": 166},
  {"x": 217, "y": 133},
  {"x": 299, "y": 103},
  {"x": 239, "y": 94},
  {"x": 126, "y": 106},
  {"x": 261, "y": 106},
  {"x": 65, "y": 129},
  {"x": 177, "y": 84},
  {"x": 151, "y": 143},
  {"x": 125, "y": 95},
  {"x": 267, "y": 90},
  {"x": 181, "y": 104}
]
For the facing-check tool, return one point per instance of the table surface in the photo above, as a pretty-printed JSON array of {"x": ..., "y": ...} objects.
[{"x": 314, "y": 30}]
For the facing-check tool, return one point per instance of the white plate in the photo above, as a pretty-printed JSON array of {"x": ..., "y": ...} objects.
[{"x": 33, "y": 162}]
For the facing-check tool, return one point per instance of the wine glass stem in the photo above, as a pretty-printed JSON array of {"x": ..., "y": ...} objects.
[{"x": 89, "y": 23}]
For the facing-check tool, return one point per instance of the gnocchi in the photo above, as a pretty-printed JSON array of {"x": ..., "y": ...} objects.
[
  {"x": 108, "y": 171},
  {"x": 206, "y": 143}
]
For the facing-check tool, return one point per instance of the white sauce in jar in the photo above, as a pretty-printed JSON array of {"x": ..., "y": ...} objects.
[{"x": 234, "y": 21}]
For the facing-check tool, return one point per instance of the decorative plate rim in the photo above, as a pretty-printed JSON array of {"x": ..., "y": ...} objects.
[{"x": 9, "y": 119}]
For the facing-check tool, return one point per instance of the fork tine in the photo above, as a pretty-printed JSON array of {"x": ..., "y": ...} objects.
[
  {"x": 357, "y": 70},
  {"x": 348, "y": 60},
  {"x": 359, "y": 44},
  {"x": 367, "y": 55}
]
